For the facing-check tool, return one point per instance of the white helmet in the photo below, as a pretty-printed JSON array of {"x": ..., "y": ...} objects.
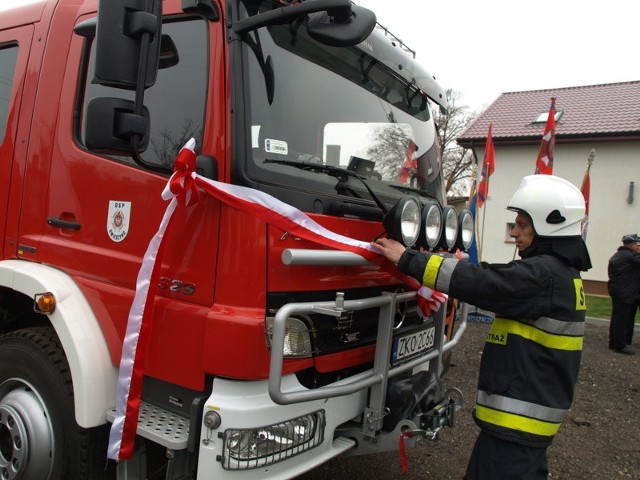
[{"x": 556, "y": 206}]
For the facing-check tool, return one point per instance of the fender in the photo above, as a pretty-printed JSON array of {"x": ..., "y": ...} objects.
[{"x": 94, "y": 376}]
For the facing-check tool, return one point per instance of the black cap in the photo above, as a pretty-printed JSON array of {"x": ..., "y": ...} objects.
[{"x": 630, "y": 238}]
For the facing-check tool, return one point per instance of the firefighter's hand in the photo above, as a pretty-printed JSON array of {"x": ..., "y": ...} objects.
[{"x": 391, "y": 249}]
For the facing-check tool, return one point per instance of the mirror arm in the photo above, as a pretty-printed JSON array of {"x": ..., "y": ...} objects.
[
  {"x": 338, "y": 8},
  {"x": 139, "y": 104}
]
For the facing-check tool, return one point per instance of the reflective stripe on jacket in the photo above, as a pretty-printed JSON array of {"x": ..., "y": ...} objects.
[{"x": 531, "y": 358}]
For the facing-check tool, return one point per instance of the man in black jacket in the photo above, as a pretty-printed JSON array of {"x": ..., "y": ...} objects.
[
  {"x": 624, "y": 282},
  {"x": 531, "y": 358}
]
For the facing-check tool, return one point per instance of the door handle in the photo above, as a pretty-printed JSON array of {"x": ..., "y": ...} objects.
[{"x": 58, "y": 222}]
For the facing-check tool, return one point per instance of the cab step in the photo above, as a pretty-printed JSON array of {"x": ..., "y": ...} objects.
[{"x": 160, "y": 426}]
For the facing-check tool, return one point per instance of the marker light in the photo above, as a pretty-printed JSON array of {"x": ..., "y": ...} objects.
[
  {"x": 44, "y": 303},
  {"x": 402, "y": 222},
  {"x": 450, "y": 231}
]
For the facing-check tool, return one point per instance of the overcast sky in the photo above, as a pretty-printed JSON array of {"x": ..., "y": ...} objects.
[{"x": 485, "y": 48}]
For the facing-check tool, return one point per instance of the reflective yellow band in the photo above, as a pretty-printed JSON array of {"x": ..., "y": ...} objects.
[
  {"x": 549, "y": 340},
  {"x": 430, "y": 274},
  {"x": 581, "y": 303},
  {"x": 516, "y": 422}
]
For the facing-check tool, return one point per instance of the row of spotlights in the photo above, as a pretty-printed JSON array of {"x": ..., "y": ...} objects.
[{"x": 429, "y": 226}]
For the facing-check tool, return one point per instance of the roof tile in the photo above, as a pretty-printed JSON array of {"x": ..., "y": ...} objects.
[{"x": 609, "y": 109}]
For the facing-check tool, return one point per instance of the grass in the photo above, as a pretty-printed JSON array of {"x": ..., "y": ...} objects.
[{"x": 600, "y": 307}]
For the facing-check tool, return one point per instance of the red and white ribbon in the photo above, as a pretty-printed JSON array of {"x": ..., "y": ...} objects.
[{"x": 182, "y": 188}]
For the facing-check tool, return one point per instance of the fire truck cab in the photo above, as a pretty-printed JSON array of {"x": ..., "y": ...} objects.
[{"x": 268, "y": 353}]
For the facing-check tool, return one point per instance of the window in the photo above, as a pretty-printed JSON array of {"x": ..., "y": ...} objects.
[
  {"x": 8, "y": 59},
  {"x": 176, "y": 102},
  {"x": 508, "y": 238},
  {"x": 542, "y": 118}
]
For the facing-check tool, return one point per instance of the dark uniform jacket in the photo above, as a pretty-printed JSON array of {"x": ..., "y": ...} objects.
[
  {"x": 531, "y": 358},
  {"x": 624, "y": 275}
]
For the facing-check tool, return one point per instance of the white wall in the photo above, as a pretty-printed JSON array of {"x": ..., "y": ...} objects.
[{"x": 614, "y": 166}]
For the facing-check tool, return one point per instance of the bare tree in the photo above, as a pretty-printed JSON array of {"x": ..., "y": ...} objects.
[
  {"x": 167, "y": 145},
  {"x": 458, "y": 164},
  {"x": 390, "y": 148}
]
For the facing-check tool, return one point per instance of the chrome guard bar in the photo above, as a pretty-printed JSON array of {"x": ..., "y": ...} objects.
[{"x": 376, "y": 377}]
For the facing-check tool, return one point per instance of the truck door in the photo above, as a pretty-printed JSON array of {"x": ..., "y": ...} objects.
[
  {"x": 102, "y": 210},
  {"x": 15, "y": 46}
]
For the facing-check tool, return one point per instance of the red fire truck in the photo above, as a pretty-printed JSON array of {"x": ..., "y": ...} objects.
[{"x": 268, "y": 353}]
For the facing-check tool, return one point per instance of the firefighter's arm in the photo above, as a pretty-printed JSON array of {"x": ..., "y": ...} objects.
[
  {"x": 433, "y": 271},
  {"x": 423, "y": 266}
]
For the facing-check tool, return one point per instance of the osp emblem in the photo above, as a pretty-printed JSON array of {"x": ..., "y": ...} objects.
[{"x": 118, "y": 220}]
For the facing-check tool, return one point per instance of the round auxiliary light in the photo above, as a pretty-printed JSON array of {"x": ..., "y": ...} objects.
[
  {"x": 466, "y": 229},
  {"x": 402, "y": 222},
  {"x": 450, "y": 230},
  {"x": 431, "y": 228}
]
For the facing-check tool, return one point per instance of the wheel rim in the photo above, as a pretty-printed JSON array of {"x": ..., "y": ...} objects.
[{"x": 26, "y": 434}]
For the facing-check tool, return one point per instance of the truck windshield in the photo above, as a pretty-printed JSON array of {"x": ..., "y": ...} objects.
[{"x": 339, "y": 106}]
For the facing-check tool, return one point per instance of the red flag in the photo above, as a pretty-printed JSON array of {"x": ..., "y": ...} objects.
[
  {"x": 585, "y": 188},
  {"x": 488, "y": 167},
  {"x": 410, "y": 164},
  {"x": 544, "y": 162}
]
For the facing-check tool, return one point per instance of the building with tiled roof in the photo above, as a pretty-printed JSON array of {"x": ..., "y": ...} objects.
[{"x": 605, "y": 118}]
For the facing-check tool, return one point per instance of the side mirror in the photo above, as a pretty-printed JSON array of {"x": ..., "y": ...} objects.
[
  {"x": 338, "y": 23},
  {"x": 342, "y": 27},
  {"x": 110, "y": 124},
  {"x": 168, "y": 51},
  {"x": 128, "y": 40}
]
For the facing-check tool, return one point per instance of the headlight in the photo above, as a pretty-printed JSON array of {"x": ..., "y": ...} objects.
[
  {"x": 431, "y": 227},
  {"x": 249, "y": 448},
  {"x": 450, "y": 231},
  {"x": 402, "y": 222},
  {"x": 466, "y": 229},
  {"x": 297, "y": 341}
]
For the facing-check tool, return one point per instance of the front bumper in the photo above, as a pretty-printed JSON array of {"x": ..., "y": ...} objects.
[{"x": 352, "y": 408}]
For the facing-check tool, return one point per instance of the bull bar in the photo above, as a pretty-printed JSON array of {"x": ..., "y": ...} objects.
[{"x": 375, "y": 378}]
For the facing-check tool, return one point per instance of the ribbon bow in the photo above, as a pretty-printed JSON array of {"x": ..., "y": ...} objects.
[{"x": 182, "y": 184}]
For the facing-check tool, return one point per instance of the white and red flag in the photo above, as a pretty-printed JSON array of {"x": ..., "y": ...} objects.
[
  {"x": 182, "y": 189},
  {"x": 544, "y": 161},
  {"x": 585, "y": 188}
]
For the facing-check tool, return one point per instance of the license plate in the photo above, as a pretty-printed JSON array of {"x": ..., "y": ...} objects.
[{"x": 413, "y": 344}]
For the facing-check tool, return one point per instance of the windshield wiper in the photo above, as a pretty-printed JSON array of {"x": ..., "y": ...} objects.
[{"x": 337, "y": 172}]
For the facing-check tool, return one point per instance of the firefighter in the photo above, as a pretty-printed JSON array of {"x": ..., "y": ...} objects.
[
  {"x": 531, "y": 358},
  {"x": 624, "y": 276}
]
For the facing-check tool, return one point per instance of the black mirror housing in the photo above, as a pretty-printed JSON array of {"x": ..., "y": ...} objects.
[
  {"x": 341, "y": 31},
  {"x": 121, "y": 48},
  {"x": 110, "y": 124}
]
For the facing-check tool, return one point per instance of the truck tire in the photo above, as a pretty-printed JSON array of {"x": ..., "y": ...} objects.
[{"x": 39, "y": 436}]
